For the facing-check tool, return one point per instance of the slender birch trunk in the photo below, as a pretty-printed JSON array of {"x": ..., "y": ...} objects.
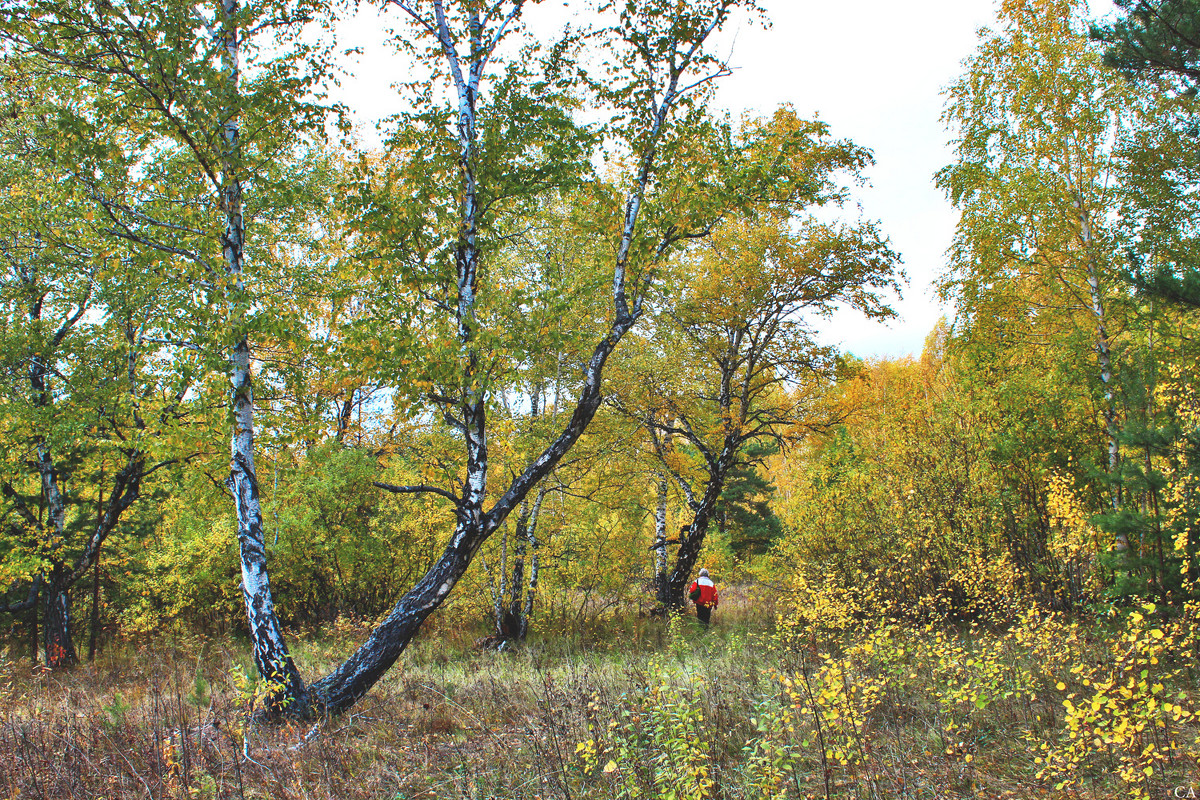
[
  {"x": 1104, "y": 361},
  {"x": 660, "y": 540},
  {"x": 522, "y": 611},
  {"x": 271, "y": 656},
  {"x": 535, "y": 545}
]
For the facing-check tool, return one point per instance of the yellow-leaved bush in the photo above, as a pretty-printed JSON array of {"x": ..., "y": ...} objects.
[
  {"x": 1128, "y": 710},
  {"x": 657, "y": 745}
]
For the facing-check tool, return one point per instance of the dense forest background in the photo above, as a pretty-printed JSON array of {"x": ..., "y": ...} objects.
[{"x": 553, "y": 348}]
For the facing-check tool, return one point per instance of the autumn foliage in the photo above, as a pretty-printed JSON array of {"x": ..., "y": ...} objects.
[{"x": 452, "y": 420}]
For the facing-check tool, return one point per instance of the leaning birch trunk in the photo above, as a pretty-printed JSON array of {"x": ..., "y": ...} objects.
[{"x": 271, "y": 656}]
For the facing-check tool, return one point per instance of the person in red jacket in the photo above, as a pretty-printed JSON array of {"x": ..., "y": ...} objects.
[{"x": 704, "y": 594}]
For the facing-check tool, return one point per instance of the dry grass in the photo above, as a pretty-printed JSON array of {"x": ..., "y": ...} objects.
[{"x": 165, "y": 720}]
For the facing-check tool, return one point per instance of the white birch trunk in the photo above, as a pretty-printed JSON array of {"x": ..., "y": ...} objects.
[
  {"x": 271, "y": 656},
  {"x": 660, "y": 534},
  {"x": 1104, "y": 361},
  {"x": 533, "y": 544}
]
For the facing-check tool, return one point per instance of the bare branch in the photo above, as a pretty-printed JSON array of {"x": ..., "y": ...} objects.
[
  {"x": 420, "y": 489},
  {"x": 30, "y": 600}
]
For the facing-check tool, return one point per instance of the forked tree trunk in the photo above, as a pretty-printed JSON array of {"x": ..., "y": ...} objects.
[
  {"x": 521, "y": 601},
  {"x": 691, "y": 541},
  {"x": 670, "y": 587},
  {"x": 521, "y": 596},
  {"x": 717, "y": 466},
  {"x": 52, "y": 588},
  {"x": 513, "y": 600}
]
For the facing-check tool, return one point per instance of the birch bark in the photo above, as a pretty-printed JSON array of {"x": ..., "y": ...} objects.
[
  {"x": 271, "y": 656},
  {"x": 660, "y": 539},
  {"x": 1103, "y": 360}
]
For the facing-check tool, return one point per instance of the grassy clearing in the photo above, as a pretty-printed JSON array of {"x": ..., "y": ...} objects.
[{"x": 643, "y": 708}]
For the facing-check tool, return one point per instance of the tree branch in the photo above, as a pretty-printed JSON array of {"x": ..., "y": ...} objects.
[{"x": 419, "y": 489}]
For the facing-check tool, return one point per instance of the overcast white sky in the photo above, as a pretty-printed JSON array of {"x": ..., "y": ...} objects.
[{"x": 873, "y": 69}]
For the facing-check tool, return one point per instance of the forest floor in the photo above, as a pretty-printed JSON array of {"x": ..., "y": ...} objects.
[{"x": 638, "y": 708}]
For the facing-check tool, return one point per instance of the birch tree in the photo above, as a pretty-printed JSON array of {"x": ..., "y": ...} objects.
[
  {"x": 1036, "y": 121},
  {"x": 198, "y": 129},
  {"x": 496, "y": 154},
  {"x": 87, "y": 405}
]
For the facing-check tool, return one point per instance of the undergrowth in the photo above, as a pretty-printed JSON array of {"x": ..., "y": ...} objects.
[{"x": 1038, "y": 705}]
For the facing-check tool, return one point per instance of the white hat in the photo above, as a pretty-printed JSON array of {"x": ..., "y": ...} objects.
[{"x": 703, "y": 573}]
